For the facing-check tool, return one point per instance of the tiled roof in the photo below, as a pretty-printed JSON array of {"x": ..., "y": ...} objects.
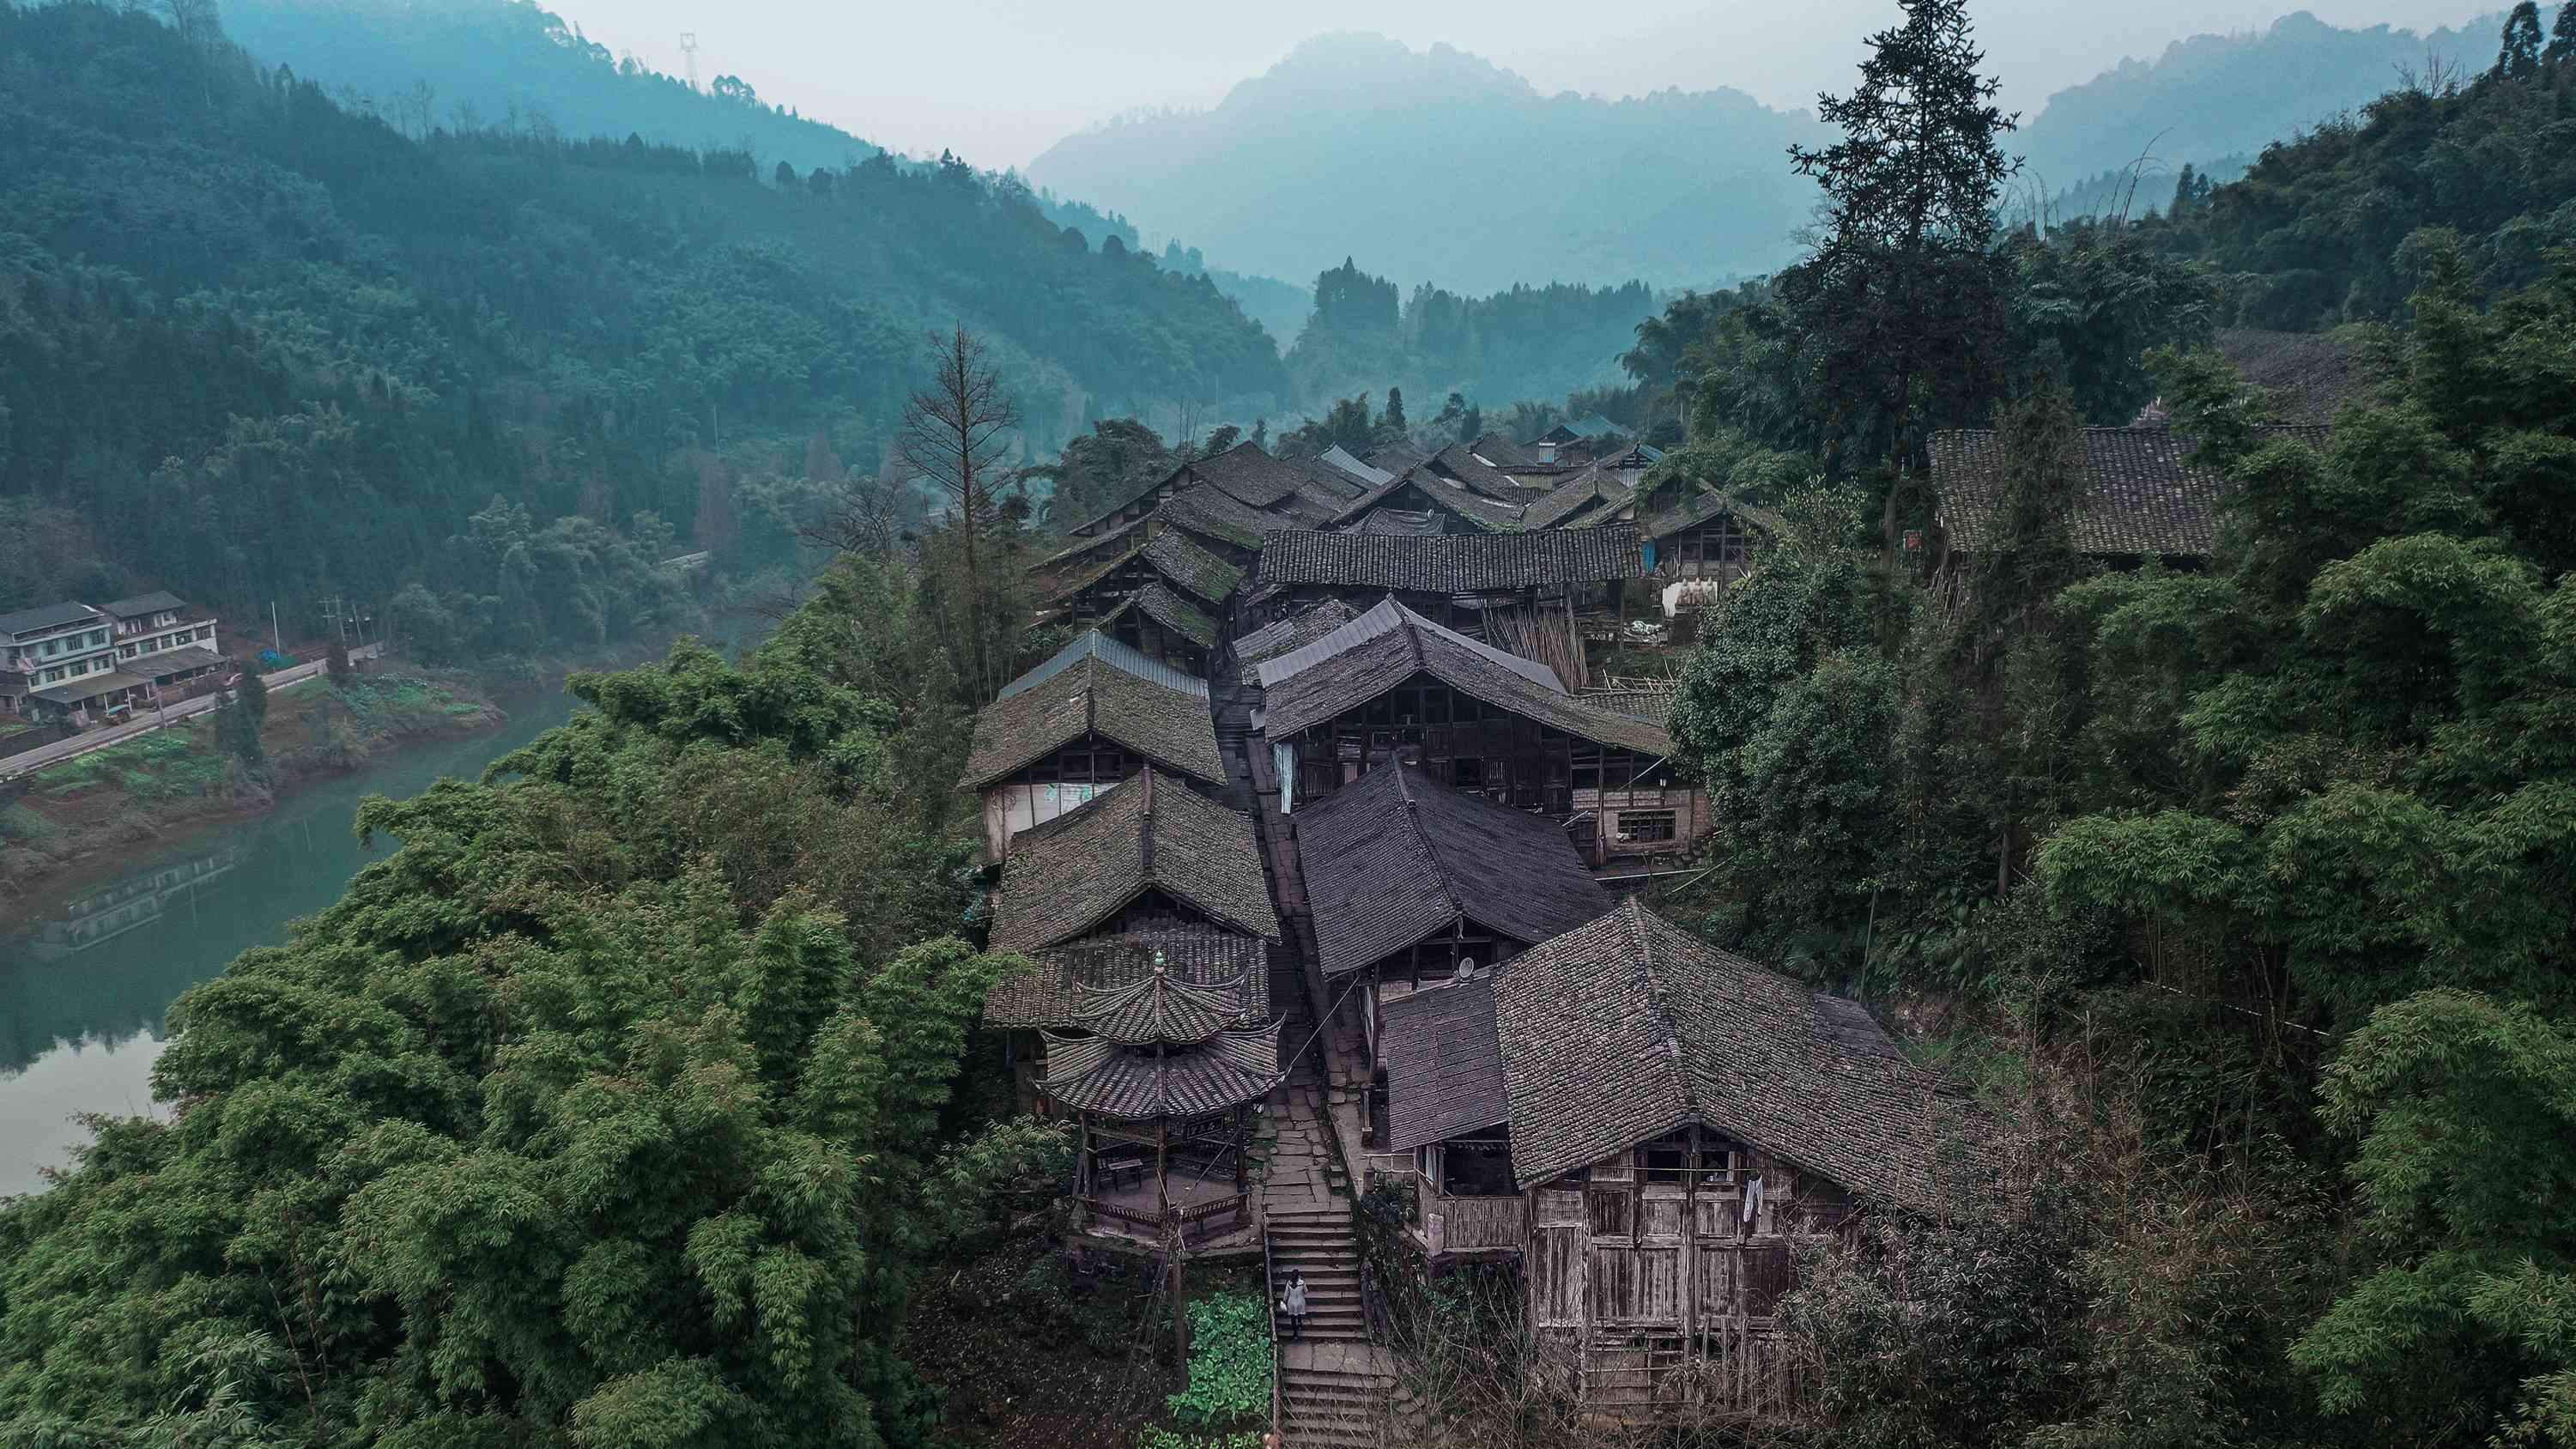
[
  {"x": 1625, "y": 1029},
  {"x": 1646, "y": 704},
  {"x": 1419, "y": 481},
  {"x": 1390, "y": 644},
  {"x": 1092, "y": 644},
  {"x": 1150, "y": 834},
  {"x": 1462, "y": 465},
  {"x": 174, "y": 661},
  {"x": 1501, "y": 452},
  {"x": 1280, "y": 636},
  {"x": 1367, "y": 475},
  {"x": 1165, "y": 480},
  {"x": 2140, "y": 497},
  {"x": 1397, "y": 457},
  {"x": 1205, "y": 511},
  {"x": 1452, "y": 563},
  {"x": 1159, "y": 1008},
  {"x": 1191, "y": 567},
  {"x": 91, "y": 688},
  {"x": 1444, "y": 1064},
  {"x": 49, "y": 616},
  {"x": 1394, "y": 857},
  {"x": 1249, "y": 475},
  {"x": 1090, "y": 693},
  {"x": 1397, "y": 523},
  {"x": 1705, "y": 505},
  {"x": 1579, "y": 497},
  {"x": 1167, "y": 607},
  {"x": 2311, "y": 375},
  {"x": 1059, "y": 978},
  {"x": 1231, "y": 1068},
  {"x": 156, "y": 602}
]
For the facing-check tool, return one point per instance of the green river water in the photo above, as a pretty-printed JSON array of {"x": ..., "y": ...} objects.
[{"x": 88, "y": 971}]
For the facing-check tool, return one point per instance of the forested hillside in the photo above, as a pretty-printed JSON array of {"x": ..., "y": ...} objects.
[
  {"x": 2323, "y": 229},
  {"x": 258, "y": 346}
]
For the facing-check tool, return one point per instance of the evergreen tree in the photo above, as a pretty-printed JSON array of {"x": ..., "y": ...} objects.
[
  {"x": 1899, "y": 313},
  {"x": 2184, "y": 195},
  {"x": 2562, "y": 38},
  {"x": 238, "y": 725},
  {"x": 1390, "y": 423},
  {"x": 2519, "y": 57}
]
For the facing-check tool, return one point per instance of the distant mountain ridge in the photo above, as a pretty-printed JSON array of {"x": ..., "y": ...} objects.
[
  {"x": 2215, "y": 101},
  {"x": 1442, "y": 167}
]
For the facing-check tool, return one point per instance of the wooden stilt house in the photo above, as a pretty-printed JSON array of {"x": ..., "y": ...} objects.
[
  {"x": 1652, "y": 1127},
  {"x": 1393, "y": 684},
  {"x": 1074, "y": 727}
]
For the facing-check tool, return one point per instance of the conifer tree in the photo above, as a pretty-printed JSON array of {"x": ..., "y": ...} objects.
[
  {"x": 2519, "y": 58},
  {"x": 2562, "y": 39}
]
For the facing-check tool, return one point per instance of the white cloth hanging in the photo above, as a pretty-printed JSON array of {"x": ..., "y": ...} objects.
[
  {"x": 1752, "y": 1199},
  {"x": 1283, "y": 760}
]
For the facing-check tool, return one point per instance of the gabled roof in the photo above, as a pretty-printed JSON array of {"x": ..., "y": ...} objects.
[
  {"x": 1202, "y": 574},
  {"x": 156, "y": 602},
  {"x": 1456, "y": 462},
  {"x": 1231, "y": 1068},
  {"x": 1584, "y": 495},
  {"x": 1397, "y": 457},
  {"x": 1367, "y": 475},
  {"x": 1702, "y": 506},
  {"x": 1279, "y": 636},
  {"x": 1249, "y": 475},
  {"x": 1560, "y": 434},
  {"x": 1050, "y": 991},
  {"x": 48, "y": 616},
  {"x": 1171, "y": 479},
  {"x": 1204, "y": 510},
  {"x": 1500, "y": 452},
  {"x": 1645, "y": 704},
  {"x": 1168, "y": 607},
  {"x": 1453, "y": 563},
  {"x": 2140, "y": 497},
  {"x": 1390, "y": 644},
  {"x": 1444, "y": 1064},
  {"x": 1152, "y": 833},
  {"x": 1628, "y": 1028},
  {"x": 1096, "y": 685},
  {"x": 1441, "y": 492},
  {"x": 1394, "y": 857}
]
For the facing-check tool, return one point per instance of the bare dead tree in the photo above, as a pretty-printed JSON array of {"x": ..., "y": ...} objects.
[
  {"x": 865, "y": 517},
  {"x": 956, "y": 433}
]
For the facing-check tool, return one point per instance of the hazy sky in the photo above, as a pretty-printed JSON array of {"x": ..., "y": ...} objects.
[{"x": 1000, "y": 80}]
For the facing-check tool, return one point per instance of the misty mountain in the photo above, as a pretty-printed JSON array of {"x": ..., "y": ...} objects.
[
  {"x": 1441, "y": 167},
  {"x": 2215, "y": 101}
]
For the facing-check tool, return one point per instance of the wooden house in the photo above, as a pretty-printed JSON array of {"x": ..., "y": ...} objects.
[
  {"x": 1584, "y": 498},
  {"x": 1412, "y": 882},
  {"x": 1706, "y": 536},
  {"x": 1292, "y": 631},
  {"x": 1152, "y": 854},
  {"x": 1158, "y": 1044},
  {"x": 2141, "y": 495},
  {"x": 1074, "y": 727},
  {"x": 1160, "y": 592},
  {"x": 1393, "y": 685},
  {"x": 1652, "y": 1128}
]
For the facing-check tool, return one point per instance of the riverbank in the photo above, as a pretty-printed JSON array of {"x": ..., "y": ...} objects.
[{"x": 94, "y": 815}]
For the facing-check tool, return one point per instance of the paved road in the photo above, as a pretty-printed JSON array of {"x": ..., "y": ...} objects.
[{"x": 144, "y": 724}]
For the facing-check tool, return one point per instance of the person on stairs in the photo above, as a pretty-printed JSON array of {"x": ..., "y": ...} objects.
[{"x": 1293, "y": 1303}]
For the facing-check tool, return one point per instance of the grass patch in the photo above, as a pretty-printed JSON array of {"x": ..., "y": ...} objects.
[
  {"x": 164, "y": 765},
  {"x": 22, "y": 824}
]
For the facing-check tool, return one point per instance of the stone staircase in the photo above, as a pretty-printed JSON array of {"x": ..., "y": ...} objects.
[{"x": 1334, "y": 1385}]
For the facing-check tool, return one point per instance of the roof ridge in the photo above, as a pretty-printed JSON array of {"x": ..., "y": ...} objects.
[
  {"x": 1658, "y": 1010},
  {"x": 1425, "y": 841}
]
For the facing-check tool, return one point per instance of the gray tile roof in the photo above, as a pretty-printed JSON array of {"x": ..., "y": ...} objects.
[
  {"x": 1398, "y": 523},
  {"x": 1394, "y": 857},
  {"x": 2140, "y": 497},
  {"x": 174, "y": 661},
  {"x": 1390, "y": 644},
  {"x": 1581, "y": 495},
  {"x": 1094, "y": 687},
  {"x": 49, "y": 616},
  {"x": 1646, "y": 704},
  {"x": 1296, "y": 631},
  {"x": 1494, "y": 483},
  {"x": 1152, "y": 833},
  {"x": 1166, "y": 606},
  {"x": 1453, "y": 563},
  {"x": 1205, "y": 576},
  {"x": 1420, "y": 482},
  {"x": 1249, "y": 475},
  {"x": 1159, "y": 1008},
  {"x": 1049, "y": 992},
  {"x": 1628, "y": 1028},
  {"x": 1444, "y": 1064},
  {"x": 157, "y": 601},
  {"x": 1706, "y": 504},
  {"x": 1134, "y": 1084},
  {"x": 1501, "y": 452}
]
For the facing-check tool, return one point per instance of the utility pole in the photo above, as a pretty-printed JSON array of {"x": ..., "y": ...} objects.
[
  {"x": 689, "y": 48},
  {"x": 276, "y": 640}
]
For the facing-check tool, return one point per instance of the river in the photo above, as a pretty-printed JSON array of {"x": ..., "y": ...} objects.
[{"x": 86, "y": 979}]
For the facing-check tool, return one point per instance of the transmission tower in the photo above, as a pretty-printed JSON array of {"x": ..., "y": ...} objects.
[{"x": 689, "y": 48}]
